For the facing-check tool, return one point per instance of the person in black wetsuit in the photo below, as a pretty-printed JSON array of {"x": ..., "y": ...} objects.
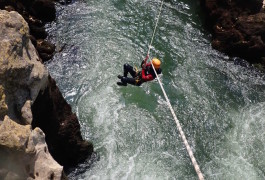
[{"x": 147, "y": 73}]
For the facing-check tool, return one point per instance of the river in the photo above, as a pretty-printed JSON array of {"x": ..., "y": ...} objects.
[{"x": 220, "y": 104}]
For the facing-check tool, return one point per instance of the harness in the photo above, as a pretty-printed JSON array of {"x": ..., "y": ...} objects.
[{"x": 138, "y": 76}]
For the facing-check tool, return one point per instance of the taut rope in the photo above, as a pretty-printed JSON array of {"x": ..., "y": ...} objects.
[{"x": 183, "y": 137}]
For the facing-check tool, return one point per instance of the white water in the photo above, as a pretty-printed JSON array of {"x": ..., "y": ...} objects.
[{"x": 219, "y": 104}]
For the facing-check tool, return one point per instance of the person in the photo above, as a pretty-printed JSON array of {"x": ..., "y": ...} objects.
[{"x": 146, "y": 74}]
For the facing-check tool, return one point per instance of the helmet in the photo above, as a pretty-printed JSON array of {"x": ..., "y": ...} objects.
[{"x": 156, "y": 62}]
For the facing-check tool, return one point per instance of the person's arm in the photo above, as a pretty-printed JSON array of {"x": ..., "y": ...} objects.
[
  {"x": 148, "y": 77},
  {"x": 143, "y": 64}
]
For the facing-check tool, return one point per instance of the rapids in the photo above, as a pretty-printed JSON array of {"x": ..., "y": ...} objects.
[{"x": 220, "y": 104}]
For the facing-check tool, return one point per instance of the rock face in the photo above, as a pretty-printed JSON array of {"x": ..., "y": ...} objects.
[
  {"x": 54, "y": 116},
  {"x": 24, "y": 153},
  {"x": 36, "y": 13},
  {"x": 238, "y": 28},
  {"x": 29, "y": 96},
  {"x": 22, "y": 75}
]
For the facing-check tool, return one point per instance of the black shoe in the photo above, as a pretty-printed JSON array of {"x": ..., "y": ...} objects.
[
  {"x": 120, "y": 76},
  {"x": 122, "y": 84}
]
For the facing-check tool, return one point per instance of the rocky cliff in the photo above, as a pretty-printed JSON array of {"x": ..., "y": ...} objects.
[
  {"x": 54, "y": 116},
  {"x": 30, "y": 98},
  {"x": 22, "y": 75},
  {"x": 36, "y": 13},
  {"x": 238, "y": 28}
]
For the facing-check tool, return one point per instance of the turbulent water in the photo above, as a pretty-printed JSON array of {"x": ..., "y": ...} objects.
[{"x": 220, "y": 104}]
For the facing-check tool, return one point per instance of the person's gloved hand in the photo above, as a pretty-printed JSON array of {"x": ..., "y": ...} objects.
[{"x": 143, "y": 65}]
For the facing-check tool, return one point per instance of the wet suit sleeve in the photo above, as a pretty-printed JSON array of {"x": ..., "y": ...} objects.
[{"x": 148, "y": 77}]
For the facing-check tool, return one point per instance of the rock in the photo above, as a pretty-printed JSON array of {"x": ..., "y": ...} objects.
[
  {"x": 44, "y": 10},
  {"x": 3, "y": 106},
  {"x": 9, "y": 8},
  {"x": 24, "y": 153},
  {"x": 238, "y": 27},
  {"x": 36, "y": 13},
  {"x": 45, "y": 46},
  {"x": 33, "y": 40},
  {"x": 34, "y": 21},
  {"x": 30, "y": 96},
  {"x": 26, "y": 113},
  {"x": 22, "y": 76},
  {"x": 54, "y": 116},
  {"x": 45, "y": 49},
  {"x": 46, "y": 57},
  {"x": 14, "y": 136},
  {"x": 21, "y": 73},
  {"x": 38, "y": 32},
  {"x": 252, "y": 25}
]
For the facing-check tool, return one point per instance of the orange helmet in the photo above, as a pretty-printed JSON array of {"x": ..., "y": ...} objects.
[{"x": 156, "y": 62}]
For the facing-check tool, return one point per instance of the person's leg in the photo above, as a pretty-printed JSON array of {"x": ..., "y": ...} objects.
[
  {"x": 128, "y": 69},
  {"x": 126, "y": 80},
  {"x": 132, "y": 81}
]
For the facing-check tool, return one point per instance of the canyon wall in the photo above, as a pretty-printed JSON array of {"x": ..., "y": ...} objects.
[{"x": 29, "y": 98}]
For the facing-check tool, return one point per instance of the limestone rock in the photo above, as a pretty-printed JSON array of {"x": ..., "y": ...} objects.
[
  {"x": 26, "y": 112},
  {"x": 14, "y": 136},
  {"x": 28, "y": 96},
  {"x": 24, "y": 153},
  {"x": 36, "y": 13},
  {"x": 22, "y": 75},
  {"x": 45, "y": 167}
]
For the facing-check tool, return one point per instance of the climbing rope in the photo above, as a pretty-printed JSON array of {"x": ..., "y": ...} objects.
[
  {"x": 160, "y": 10},
  {"x": 193, "y": 160}
]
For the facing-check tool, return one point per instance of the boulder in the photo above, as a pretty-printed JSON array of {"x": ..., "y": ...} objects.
[
  {"x": 24, "y": 153},
  {"x": 45, "y": 49}
]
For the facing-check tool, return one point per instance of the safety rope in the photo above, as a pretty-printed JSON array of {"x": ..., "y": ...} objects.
[
  {"x": 194, "y": 162},
  {"x": 184, "y": 139},
  {"x": 160, "y": 10}
]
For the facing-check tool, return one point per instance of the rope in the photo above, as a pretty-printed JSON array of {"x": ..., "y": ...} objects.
[
  {"x": 194, "y": 162},
  {"x": 160, "y": 10},
  {"x": 184, "y": 139}
]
